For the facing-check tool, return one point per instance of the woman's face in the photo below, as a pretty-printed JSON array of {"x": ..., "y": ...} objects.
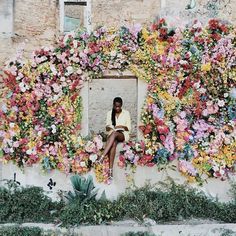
[{"x": 117, "y": 106}]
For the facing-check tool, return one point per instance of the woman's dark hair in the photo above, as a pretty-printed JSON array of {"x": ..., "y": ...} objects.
[{"x": 113, "y": 114}]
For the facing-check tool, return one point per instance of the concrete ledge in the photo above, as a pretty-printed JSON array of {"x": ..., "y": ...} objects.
[{"x": 117, "y": 230}]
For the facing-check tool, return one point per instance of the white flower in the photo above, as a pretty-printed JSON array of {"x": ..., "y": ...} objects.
[
  {"x": 79, "y": 71},
  {"x": 75, "y": 43},
  {"x": 149, "y": 151},
  {"x": 53, "y": 69},
  {"x": 202, "y": 90},
  {"x": 93, "y": 157},
  {"x": 182, "y": 114},
  {"x": 55, "y": 97},
  {"x": 56, "y": 88},
  {"x": 222, "y": 171},
  {"x": 209, "y": 103},
  {"x": 54, "y": 129},
  {"x": 82, "y": 164},
  {"x": 205, "y": 112},
  {"x": 23, "y": 87},
  {"x": 70, "y": 70},
  {"x": 15, "y": 108},
  {"x": 29, "y": 151},
  {"x": 62, "y": 78},
  {"x": 183, "y": 62},
  {"x": 221, "y": 103},
  {"x": 16, "y": 144},
  {"x": 4, "y": 108},
  {"x": 12, "y": 125},
  {"x": 226, "y": 95},
  {"x": 98, "y": 141},
  {"x": 113, "y": 53},
  {"x": 64, "y": 84},
  {"x": 196, "y": 85}
]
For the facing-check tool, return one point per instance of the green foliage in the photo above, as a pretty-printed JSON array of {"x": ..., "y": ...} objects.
[
  {"x": 224, "y": 232},
  {"x": 170, "y": 202},
  {"x": 174, "y": 202},
  {"x": 26, "y": 204},
  {"x": 232, "y": 191},
  {"x": 92, "y": 212},
  {"x": 84, "y": 189},
  {"x": 20, "y": 231}
]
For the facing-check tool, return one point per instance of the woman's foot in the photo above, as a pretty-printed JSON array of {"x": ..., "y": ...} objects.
[
  {"x": 100, "y": 160},
  {"x": 110, "y": 174}
]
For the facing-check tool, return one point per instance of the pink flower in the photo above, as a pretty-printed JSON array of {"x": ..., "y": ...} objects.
[
  {"x": 121, "y": 164},
  {"x": 169, "y": 143},
  {"x": 187, "y": 167},
  {"x": 90, "y": 147},
  {"x": 98, "y": 142}
]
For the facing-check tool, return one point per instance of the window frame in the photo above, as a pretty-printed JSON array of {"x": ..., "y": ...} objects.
[
  {"x": 10, "y": 33},
  {"x": 87, "y": 13}
]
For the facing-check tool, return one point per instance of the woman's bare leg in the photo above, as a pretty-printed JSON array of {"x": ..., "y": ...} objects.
[
  {"x": 112, "y": 154},
  {"x": 115, "y": 136}
]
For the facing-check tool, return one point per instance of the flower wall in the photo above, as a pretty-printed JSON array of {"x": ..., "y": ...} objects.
[{"x": 189, "y": 113}]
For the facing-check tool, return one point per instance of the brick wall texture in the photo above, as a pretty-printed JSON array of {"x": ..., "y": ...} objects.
[{"x": 36, "y": 23}]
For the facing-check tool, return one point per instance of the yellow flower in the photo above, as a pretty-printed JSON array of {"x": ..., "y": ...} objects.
[
  {"x": 191, "y": 179},
  {"x": 145, "y": 33},
  {"x": 149, "y": 100},
  {"x": 160, "y": 49},
  {"x": 206, "y": 67}
]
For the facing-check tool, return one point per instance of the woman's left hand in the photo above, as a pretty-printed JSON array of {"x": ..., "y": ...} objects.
[{"x": 121, "y": 126}]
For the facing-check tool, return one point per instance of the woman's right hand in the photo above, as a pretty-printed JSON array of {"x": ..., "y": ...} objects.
[{"x": 109, "y": 128}]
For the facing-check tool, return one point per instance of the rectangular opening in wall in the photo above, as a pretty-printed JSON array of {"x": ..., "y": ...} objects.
[
  {"x": 101, "y": 94},
  {"x": 74, "y": 15},
  {"x": 6, "y": 17}
]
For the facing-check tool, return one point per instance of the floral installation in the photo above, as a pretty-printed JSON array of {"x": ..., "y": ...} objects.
[{"x": 189, "y": 113}]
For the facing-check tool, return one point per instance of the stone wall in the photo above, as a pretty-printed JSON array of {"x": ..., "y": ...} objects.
[
  {"x": 121, "y": 12},
  {"x": 184, "y": 11},
  {"x": 35, "y": 24}
]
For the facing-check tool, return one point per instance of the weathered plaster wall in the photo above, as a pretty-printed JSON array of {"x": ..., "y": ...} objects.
[
  {"x": 184, "y": 11},
  {"x": 35, "y": 24},
  {"x": 121, "y": 12}
]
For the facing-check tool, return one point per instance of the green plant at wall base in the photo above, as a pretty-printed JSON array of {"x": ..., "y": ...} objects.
[
  {"x": 20, "y": 231},
  {"x": 26, "y": 204},
  {"x": 89, "y": 213},
  {"x": 170, "y": 202},
  {"x": 84, "y": 189},
  {"x": 232, "y": 191}
]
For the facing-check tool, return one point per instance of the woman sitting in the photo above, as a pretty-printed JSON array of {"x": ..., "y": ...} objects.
[{"x": 118, "y": 126}]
